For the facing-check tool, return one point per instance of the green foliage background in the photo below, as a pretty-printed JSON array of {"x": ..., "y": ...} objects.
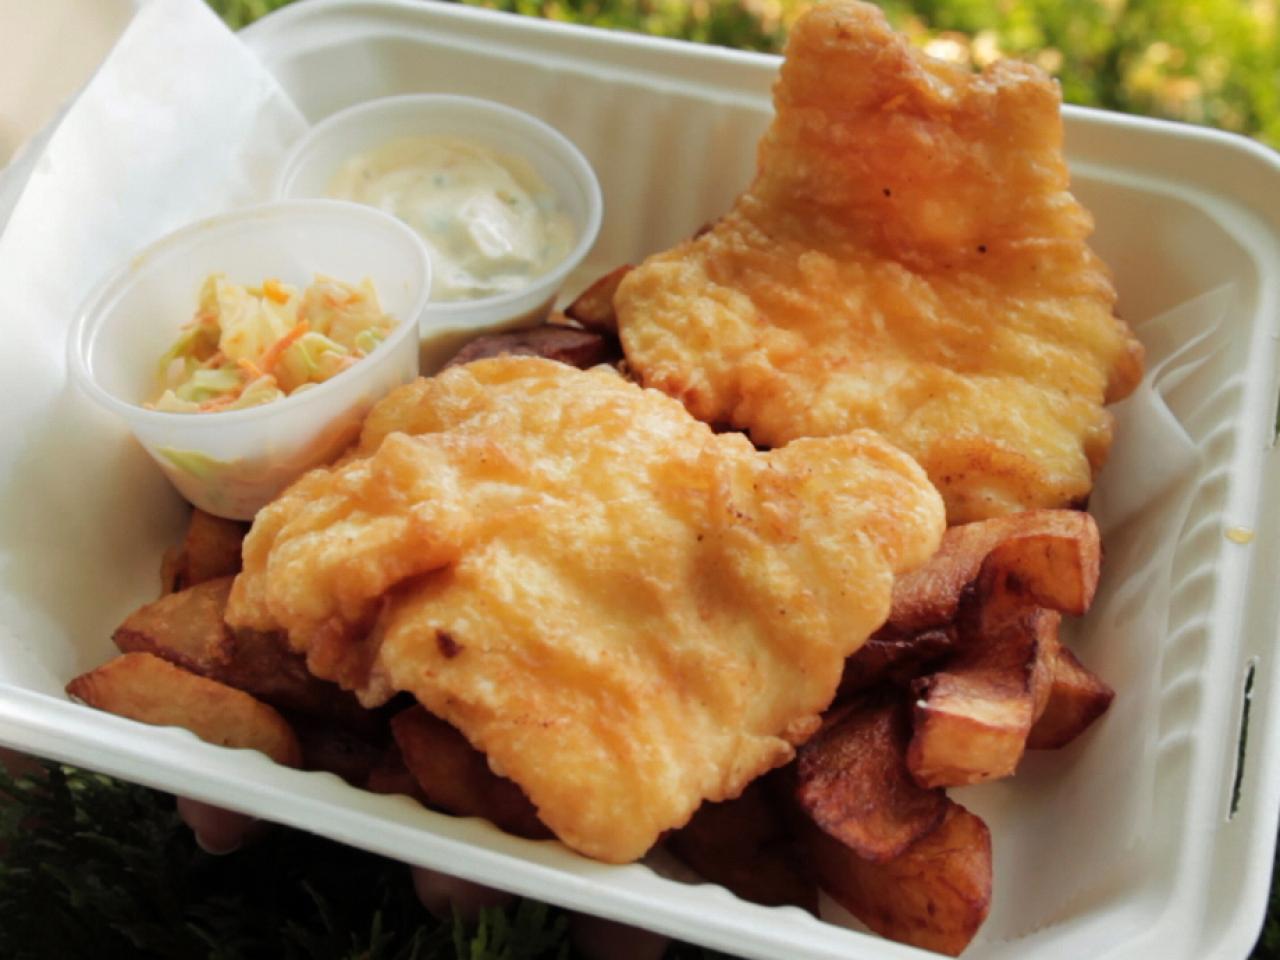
[
  {"x": 93, "y": 867},
  {"x": 1213, "y": 62}
]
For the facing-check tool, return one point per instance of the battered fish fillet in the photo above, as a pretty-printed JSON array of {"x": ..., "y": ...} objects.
[
  {"x": 908, "y": 259},
  {"x": 627, "y": 613}
]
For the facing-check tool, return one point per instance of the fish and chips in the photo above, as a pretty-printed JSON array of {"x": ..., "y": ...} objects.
[{"x": 538, "y": 592}]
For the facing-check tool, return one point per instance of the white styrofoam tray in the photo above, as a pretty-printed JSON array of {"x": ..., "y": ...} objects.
[{"x": 671, "y": 130}]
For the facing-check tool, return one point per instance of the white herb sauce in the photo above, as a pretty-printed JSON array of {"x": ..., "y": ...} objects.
[{"x": 492, "y": 225}]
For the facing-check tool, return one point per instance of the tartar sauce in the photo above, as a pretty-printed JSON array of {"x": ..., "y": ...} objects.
[{"x": 491, "y": 224}]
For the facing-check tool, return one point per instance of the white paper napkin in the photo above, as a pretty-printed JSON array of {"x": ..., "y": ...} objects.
[{"x": 180, "y": 122}]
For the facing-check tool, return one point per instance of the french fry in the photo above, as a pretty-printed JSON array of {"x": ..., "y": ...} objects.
[
  {"x": 1053, "y": 558},
  {"x": 891, "y": 656},
  {"x": 593, "y": 308},
  {"x": 577, "y": 348},
  {"x": 455, "y": 777},
  {"x": 1077, "y": 697},
  {"x": 1057, "y": 569},
  {"x": 210, "y": 549},
  {"x": 389, "y": 775},
  {"x": 151, "y": 690},
  {"x": 934, "y": 895},
  {"x": 263, "y": 665},
  {"x": 187, "y": 629},
  {"x": 746, "y": 846},
  {"x": 852, "y": 780},
  {"x": 351, "y": 754},
  {"x": 971, "y": 720}
]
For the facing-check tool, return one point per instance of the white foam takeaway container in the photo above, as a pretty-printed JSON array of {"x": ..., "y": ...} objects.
[{"x": 671, "y": 130}]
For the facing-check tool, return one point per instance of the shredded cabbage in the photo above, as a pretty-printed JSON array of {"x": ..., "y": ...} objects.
[{"x": 251, "y": 345}]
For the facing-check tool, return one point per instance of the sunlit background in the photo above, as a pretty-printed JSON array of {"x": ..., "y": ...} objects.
[{"x": 1214, "y": 62}]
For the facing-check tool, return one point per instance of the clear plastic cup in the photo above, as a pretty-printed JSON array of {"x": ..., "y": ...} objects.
[
  {"x": 446, "y": 325},
  {"x": 232, "y": 463}
]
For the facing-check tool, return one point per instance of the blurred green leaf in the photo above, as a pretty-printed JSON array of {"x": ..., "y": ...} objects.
[{"x": 1214, "y": 62}]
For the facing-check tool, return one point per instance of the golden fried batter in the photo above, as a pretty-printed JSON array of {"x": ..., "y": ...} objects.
[
  {"x": 626, "y": 612},
  {"x": 908, "y": 259}
]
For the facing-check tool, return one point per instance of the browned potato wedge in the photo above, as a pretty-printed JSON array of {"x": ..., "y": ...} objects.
[
  {"x": 890, "y": 656},
  {"x": 935, "y": 895},
  {"x": 390, "y": 775},
  {"x": 145, "y": 688},
  {"x": 593, "y": 307},
  {"x": 455, "y": 777},
  {"x": 335, "y": 748},
  {"x": 1053, "y": 569},
  {"x": 262, "y": 664},
  {"x": 971, "y": 721},
  {"x": 210, "y": 549},
  {"x": 1053, "y": 557},
  {"x": 1077, "y": 697},
  {"x": 187, "y": 629},
  {"x": 852, "y": 780},
  {"x": 577, "y": 348},
  {"x": 746, "y": 846}
]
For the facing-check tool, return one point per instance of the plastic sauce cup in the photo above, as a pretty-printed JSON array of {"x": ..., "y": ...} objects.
[
  {"x": 446, "y": 325},
  {"x": 232, "y": 463}
]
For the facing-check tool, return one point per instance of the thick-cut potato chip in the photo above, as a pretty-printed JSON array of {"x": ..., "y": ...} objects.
[
  {"x": 935, "y": 895},
  {"x": 145, "y": 688},
  {"x": 455, "y": 777},
  {"x": 746, "y": 846},
  {"x": 210, "y": 549},
  {"x": 852, "y": 780},
  {"x": 593, "y": 307},
  {"x": 337, "y": 748},
  {"x": 1053, "y": 555},
  {"x": 389, "y": 775},
  {"x": 891, "y": 656},
  {"x": 972, "y": 719},
  {"x": 187, "y": 629},
  {"x": 1077, "y": 697},
  {"x": 577, "y": 348}
]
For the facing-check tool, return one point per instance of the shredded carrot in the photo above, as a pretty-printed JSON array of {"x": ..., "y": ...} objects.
[
  {"x": 219, "y": 402},
  {"x": 272, "y": 356},
  {"x": 250, "y": 368},
  {"x": 272, "y": 290}
]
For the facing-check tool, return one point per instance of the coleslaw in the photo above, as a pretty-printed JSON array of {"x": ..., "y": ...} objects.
[{"x": 248, "y": 346}]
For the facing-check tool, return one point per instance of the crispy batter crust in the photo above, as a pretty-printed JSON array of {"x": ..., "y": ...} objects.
[
  {"x": 908, "y": 259},
  {"x": 625, "y": 611}
]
